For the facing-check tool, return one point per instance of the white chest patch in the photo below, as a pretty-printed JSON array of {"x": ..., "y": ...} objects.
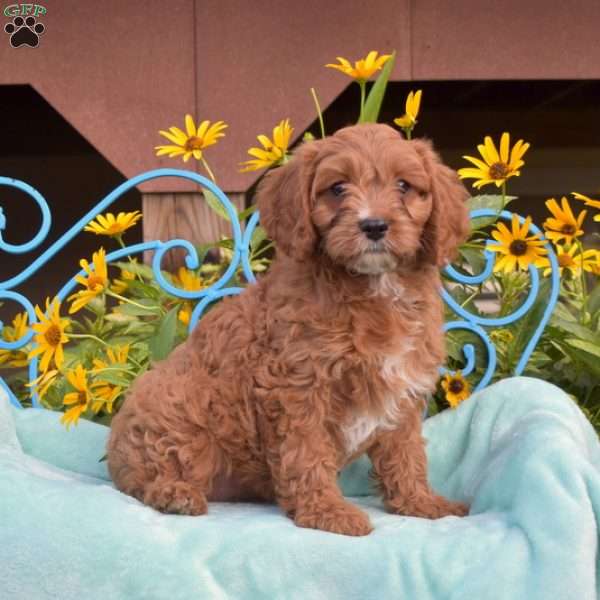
[{"x": 359, "y": 431}]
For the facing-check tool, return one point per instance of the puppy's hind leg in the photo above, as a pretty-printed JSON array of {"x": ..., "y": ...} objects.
[
  {"x": 160, "y": 453},
  {"x": 186, "y": 476}
]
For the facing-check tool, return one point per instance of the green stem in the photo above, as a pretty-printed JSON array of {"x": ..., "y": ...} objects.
[
  {"x": 128, "y": 371},
  {"x": 119, "y": 239},
  {"x": 363, "y": 85},
  {"x": 129, "y": 301},
  {"x": 319, "y": 113},
  {"x": 81, "y": 336},
  {"x": 210, "y": 173},
  {"x": 473, "y": 295},
  {"x": 135, "y": 362},
  {"x": 583, "y": 284},
  {"x": 262, "y": 250},
  {"x": 408, "y": 133}
]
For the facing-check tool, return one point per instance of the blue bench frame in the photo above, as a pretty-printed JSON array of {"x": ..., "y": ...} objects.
[{"x": 241, "y": 239}]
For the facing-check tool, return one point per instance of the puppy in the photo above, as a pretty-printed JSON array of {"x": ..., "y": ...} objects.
[{"x": 330, "y": 355}]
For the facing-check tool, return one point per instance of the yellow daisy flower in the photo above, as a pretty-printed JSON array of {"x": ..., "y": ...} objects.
[
  {"x": 594, "y": 267},
  {"x": 105, "y": 396},
  {"x": 188, "y": 280},
  {"x": 194, "y": 141},
  {"x": 273, "y": 152},
  {"x": 456, "y": 387},
  {"x": 108, "y": 224},
  {"x": 496, "y": 166},
  {"x": 571, "y": 260},
  {"x": 118, "y": 356},
  {"x": 80, "y": 398},
  {"x": 42, "y": 384},
  {"x": 563, "y": 223},
  {"x": 95, "y": 283},
  {"x": 192, "y": 282},
  {"x": 409, "y": 119},
  {"x": 588, "y": 202},
  {"x": 185, "y": 314},
  {"x": 15, "y": 358},
  {"x": 50, "y": 335},
  {"x": 106, "y": 393},
  {"x": 519, "y": 249},
  {"x": 364, "y": 68},
  {"x": 120, "y": 285}
]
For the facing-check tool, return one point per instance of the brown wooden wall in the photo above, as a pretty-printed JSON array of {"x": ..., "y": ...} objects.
[{"x": 119, "y": 71}]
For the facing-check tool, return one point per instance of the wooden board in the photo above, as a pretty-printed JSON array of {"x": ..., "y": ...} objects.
[{"x": 186, "y": 216}]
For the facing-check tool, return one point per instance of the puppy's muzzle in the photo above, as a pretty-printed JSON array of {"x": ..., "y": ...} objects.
[{"x": 374, "y": 229}]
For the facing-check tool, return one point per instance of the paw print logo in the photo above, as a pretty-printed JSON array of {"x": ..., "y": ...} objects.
[{"x": 24, "y": 32}]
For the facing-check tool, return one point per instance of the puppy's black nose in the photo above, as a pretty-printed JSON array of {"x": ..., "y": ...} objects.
[{"x": 374, "y": 229}]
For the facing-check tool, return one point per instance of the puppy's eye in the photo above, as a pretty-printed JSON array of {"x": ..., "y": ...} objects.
[
  {"x": 403, "y": 186},
  {"x": 338, "y": 189}
]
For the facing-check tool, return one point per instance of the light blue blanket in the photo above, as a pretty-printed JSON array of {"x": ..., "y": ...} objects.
[{"x": 520, "y": 452}]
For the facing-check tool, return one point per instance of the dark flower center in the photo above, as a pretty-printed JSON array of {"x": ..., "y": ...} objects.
[
  {"x": 456, "y": 386},
  {"x": 499, "y": 170},
  {"x": 565, "y": 260},
  {"x": 518, "y": 247},
  {"x": 568, "y": 229},
  {"x": 193, "y": 143},
  {"x": 82, "y": 398},
  {"x": 53, "y": 335},
  {"x": 95, "y": 283}
]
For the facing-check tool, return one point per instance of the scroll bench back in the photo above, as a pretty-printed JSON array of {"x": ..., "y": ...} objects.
[{"x": 465, "y": 320}]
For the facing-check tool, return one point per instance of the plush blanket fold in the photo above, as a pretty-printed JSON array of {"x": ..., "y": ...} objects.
[{"x": 520, "y": 452}]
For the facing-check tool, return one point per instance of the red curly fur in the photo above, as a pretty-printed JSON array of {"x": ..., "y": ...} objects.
[{"x": 329, "y": 355}]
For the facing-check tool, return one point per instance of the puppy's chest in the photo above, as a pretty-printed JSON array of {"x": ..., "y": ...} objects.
[{"x": 394, "y": 384}]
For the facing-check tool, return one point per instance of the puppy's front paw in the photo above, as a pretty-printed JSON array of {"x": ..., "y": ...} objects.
[
  {"x": 343, "y": 518},
  {"x": 176, "y": 498},
  {"x": 432, "y": 507},
  {"x": 459, "y": 509}
]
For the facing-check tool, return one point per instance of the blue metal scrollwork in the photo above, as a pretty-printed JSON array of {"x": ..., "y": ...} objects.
[
  {"x": 476, "y": 323},
  {"x": 240, "y": 258}
]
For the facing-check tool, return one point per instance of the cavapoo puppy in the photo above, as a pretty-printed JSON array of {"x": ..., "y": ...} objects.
[{"x": 331, "y": 354}]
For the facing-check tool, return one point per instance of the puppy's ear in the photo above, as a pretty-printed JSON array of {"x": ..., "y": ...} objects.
[
  {"x": 448, "y": 225},
  {"x": 285, "y": 203}
]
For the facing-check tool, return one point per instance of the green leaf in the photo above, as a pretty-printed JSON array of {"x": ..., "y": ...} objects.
[
  {"x": 583, "y": 361},
  {"x": 139, "y": 328},
  {"x": 377, "y": 93},
  {"x": 594, "y": 300},
  {"x": 244, "y": 214},
  {"x": 574, "y": 328},
  {"x": 215, "y": 204},
  {"x": 114, "y": 378},
  {"x": 259, "y": 235},
  {"x": 489, "y": 201},
  {"x": 474, "y": 258},
  {"x": 226, "y": 243},
  {"x": 144, "y": 290},
  {"x": 561, "y": 311},
  {"x": 120, "y": 318},
  {"x": 164, "y": 340},
  {"x": 136, "y": 268},
  {"x": 525, "y": 327},
  {"x": 138, "y": 311},
  {"x": 589, "y": 347},
  {"x": 455, "y": 342}
]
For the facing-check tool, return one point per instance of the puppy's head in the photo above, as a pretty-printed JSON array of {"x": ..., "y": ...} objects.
[{"x": 369, "y": 199}]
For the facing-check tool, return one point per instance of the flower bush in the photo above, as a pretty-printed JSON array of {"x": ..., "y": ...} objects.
[{"x": 120, "y": 320}]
